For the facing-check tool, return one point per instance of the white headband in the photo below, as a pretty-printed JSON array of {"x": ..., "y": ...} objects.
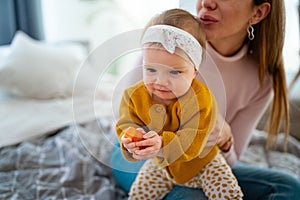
[{"x": 171, "y": 37}]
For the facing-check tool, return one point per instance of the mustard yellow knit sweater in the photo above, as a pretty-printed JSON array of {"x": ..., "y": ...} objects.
[{"x": 184, "y": 126}]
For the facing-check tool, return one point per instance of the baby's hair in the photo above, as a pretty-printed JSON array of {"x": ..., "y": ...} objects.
[{"x": 183, "y": 20}]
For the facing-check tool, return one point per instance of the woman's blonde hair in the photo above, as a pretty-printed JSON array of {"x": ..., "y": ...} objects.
[{"x": 267, "y": 49}]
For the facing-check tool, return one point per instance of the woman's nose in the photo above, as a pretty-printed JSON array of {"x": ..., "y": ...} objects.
[{"x": 208, "y": 4}]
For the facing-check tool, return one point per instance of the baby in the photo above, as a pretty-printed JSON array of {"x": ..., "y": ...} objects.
[{"x": 175, "y": 114}]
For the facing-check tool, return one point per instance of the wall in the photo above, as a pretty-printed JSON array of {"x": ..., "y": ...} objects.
[{"x": 97, "y": 20}]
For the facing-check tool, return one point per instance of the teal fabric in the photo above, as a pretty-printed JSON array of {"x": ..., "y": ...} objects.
[{"x": 123, "y": 170}]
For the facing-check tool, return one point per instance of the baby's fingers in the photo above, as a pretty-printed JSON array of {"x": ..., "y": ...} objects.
[
  {"x": 126, "y": 141},
  {"x": 150, "y": 134},
  {"x": 141, "y": 130},
  {"x": 147, "y": 142},
  {"x": 128, "y": 144}
]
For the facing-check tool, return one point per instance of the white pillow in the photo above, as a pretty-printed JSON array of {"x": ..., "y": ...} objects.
[
  {"x": 4, "y": 51},
  {"x": 34, "y": 69}
]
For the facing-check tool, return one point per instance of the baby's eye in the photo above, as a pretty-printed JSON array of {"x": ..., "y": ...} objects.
[
  {"x": 151, "y": 70},
  {"x": 175, "y": 72}
]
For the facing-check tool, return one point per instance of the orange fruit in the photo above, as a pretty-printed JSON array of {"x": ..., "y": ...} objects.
[{"x": 132, "y": 133}]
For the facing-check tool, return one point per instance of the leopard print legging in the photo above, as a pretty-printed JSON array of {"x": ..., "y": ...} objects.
[{"x": 215, "y": 179}]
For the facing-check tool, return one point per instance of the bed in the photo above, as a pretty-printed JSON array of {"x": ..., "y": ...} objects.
[{"x": 55, "y": 140}]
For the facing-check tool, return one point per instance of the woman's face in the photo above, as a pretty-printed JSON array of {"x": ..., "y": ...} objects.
[{"x": 225, "y": 20}]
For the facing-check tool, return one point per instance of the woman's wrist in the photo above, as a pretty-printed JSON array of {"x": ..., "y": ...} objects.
[
  {"x": 226, "y": 150},
  {"x": 227, "y": 146}
]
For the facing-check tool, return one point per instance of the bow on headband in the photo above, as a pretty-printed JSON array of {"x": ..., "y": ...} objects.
[{"x": 171, "y": 37}]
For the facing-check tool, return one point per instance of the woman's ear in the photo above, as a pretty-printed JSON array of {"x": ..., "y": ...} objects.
[
  {"x": 260, "y": 12},
  {"x": 196, "y": 72}
]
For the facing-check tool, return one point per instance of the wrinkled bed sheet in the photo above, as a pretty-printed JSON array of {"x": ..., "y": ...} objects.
[
  {"x": 73, "y": 163},
  {"x": 59, "y": 166},
  {"x": 287, "y": 161}
]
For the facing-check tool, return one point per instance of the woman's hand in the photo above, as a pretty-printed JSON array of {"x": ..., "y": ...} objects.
[
  {"x": 220, "y": 136},
  {"x": 149, "y": 147},
  {"x": 224, "y": 134}
]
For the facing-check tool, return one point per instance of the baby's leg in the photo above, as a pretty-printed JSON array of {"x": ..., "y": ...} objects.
[
  {"x": 150, "y": 183},
  {"x": 217, "y": 180}
]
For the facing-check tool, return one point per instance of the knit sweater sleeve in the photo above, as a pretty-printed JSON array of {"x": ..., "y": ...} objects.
[
  {"x": 244, "y": 122},
  {"x": 241, "y": 99},
  {"x": 127, "y": 117}
]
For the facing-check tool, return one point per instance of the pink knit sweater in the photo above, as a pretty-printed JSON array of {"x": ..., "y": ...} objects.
[{"x": 234, "y": 82}]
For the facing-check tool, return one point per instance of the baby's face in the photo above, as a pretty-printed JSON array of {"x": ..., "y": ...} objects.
[{"x": 167, "y": 76}]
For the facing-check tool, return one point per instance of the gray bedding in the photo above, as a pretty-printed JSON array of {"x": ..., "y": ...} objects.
[
  {"x": 287, "y": 161},
  {"x": 73, "y": 163},
  {"x": 57, "y": 166}
]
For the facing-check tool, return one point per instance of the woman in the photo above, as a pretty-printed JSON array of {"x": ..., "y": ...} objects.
[{"x": 245, "y": 39}]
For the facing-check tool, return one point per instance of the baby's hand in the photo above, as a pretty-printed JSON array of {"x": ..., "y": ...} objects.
[
  {"x": 130, "y": 137},
  {"x": 150, "y": 146}
]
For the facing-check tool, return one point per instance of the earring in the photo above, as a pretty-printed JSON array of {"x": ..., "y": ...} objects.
[{"x": 250, "y": 31}]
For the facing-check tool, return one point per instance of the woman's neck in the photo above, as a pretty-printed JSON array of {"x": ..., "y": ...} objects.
[{"x": 227, "y": 47}]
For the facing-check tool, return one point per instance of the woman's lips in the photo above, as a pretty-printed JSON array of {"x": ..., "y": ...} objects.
[{"x": 207, "y": 20}]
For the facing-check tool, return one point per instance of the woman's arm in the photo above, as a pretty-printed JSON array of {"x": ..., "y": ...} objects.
[{"x": 242, "y": 126}]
